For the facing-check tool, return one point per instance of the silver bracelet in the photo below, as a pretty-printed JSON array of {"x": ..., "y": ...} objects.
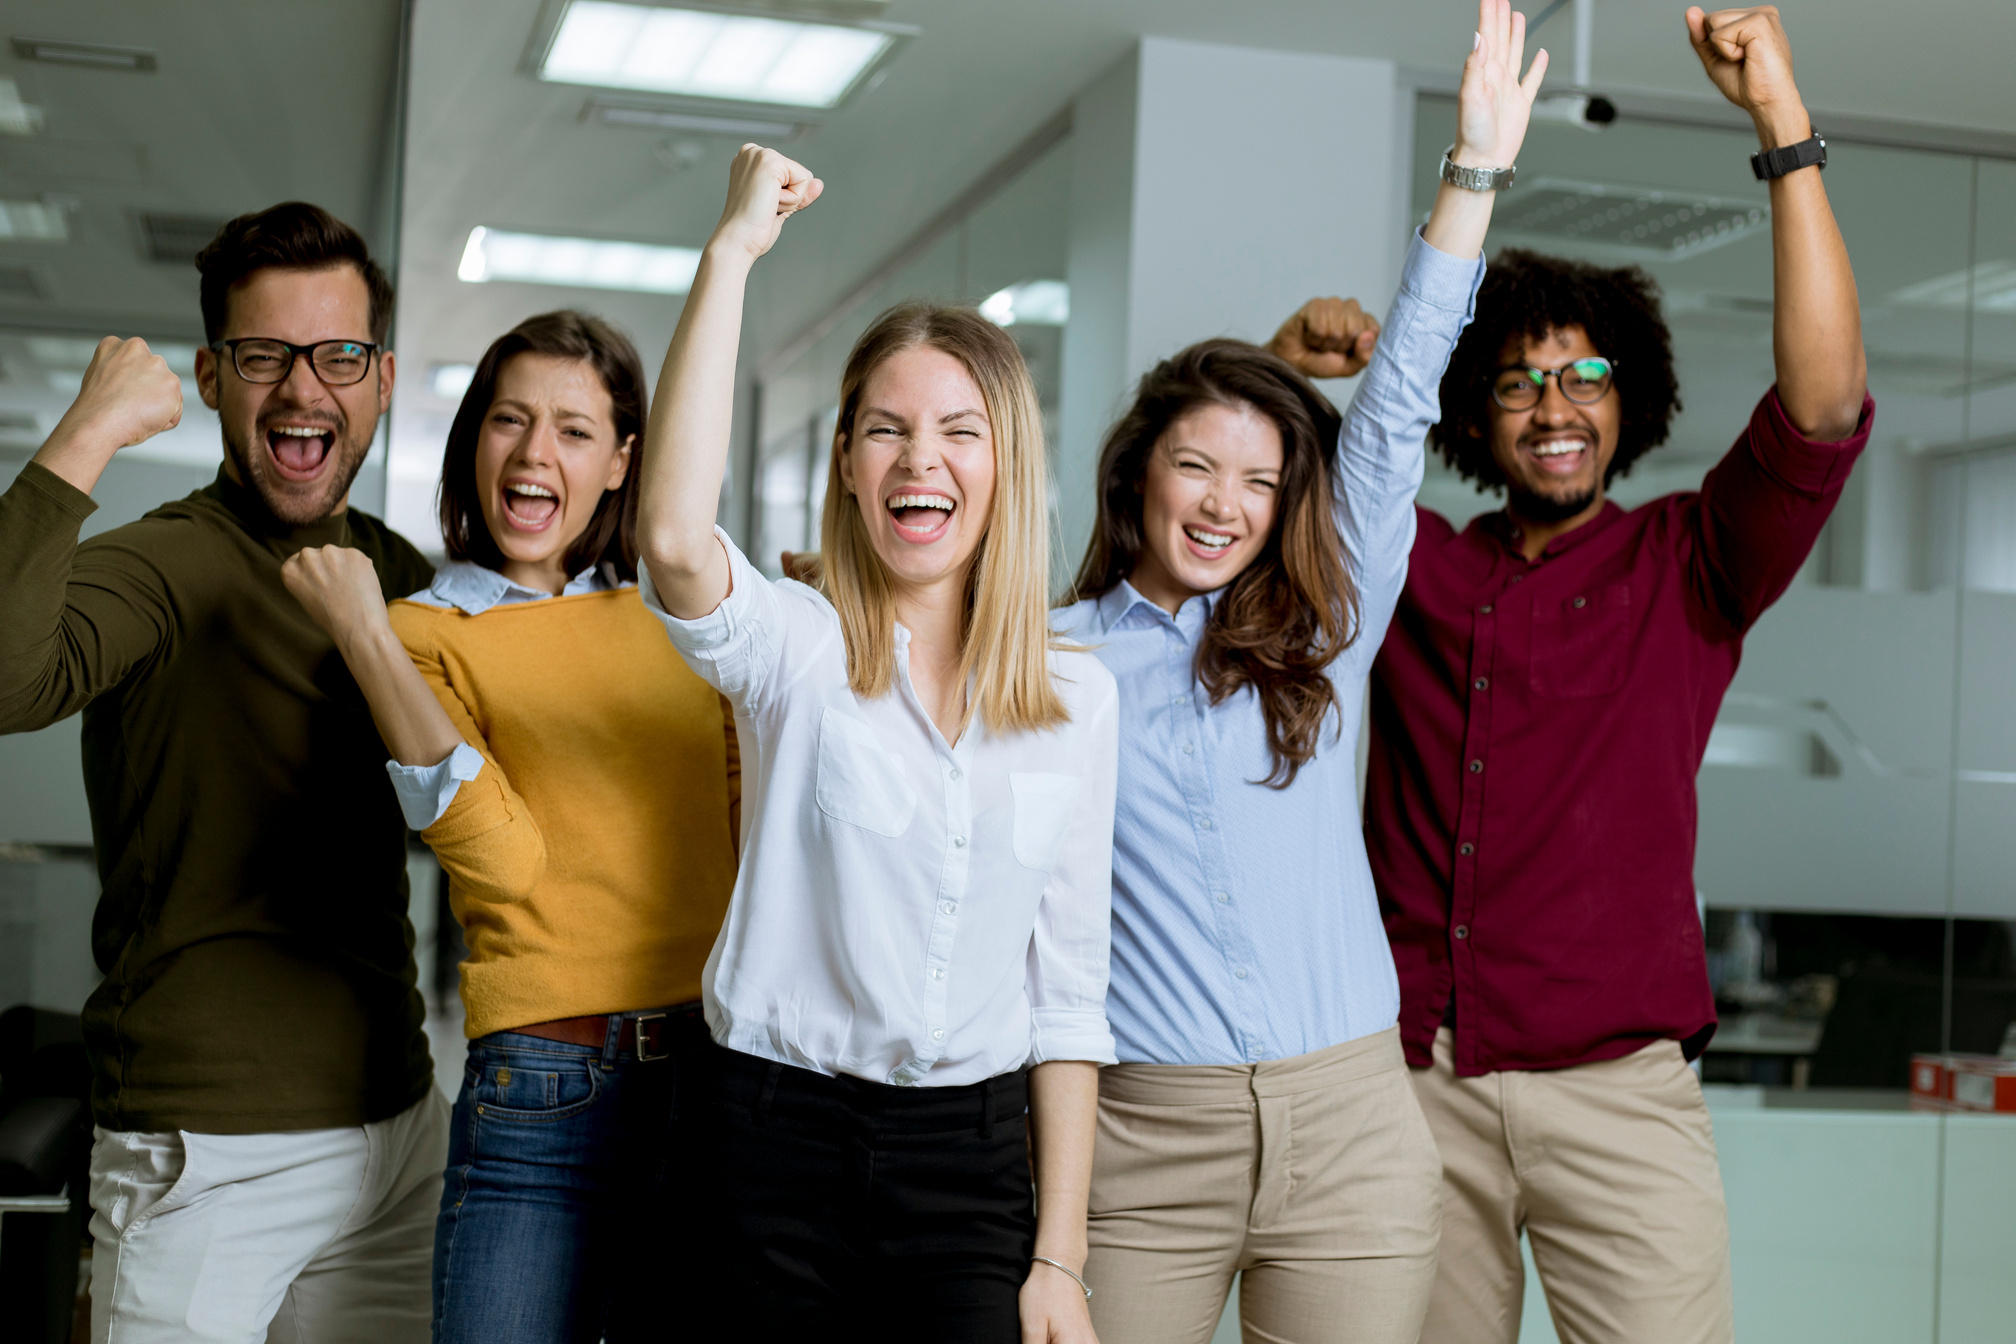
[{"x": 1046, "y": 1260}]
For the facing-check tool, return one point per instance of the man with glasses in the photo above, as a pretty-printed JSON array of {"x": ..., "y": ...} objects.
[
  {"x": 269, "y": 1140},
  {"x": 1539, "y": 710}
]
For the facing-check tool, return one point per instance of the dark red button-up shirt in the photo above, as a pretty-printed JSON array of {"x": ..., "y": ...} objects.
[{"x": 1536, "y": 731}]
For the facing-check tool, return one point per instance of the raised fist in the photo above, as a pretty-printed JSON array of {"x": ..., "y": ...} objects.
[
  {"x": 1747, "y": 56},
  {"x": 764, "y": 190},
  {"x": 338, "y": 586},
  {"x": 1328, "y": 338},
  {"x": 129, "y": 393}
]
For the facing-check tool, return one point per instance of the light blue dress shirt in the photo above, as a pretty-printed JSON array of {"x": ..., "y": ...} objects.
[{"x": 1245, "y": 924}]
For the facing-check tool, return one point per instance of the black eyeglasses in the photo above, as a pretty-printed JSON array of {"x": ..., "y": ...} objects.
[
  {"x": 337, "y": 363},
  {"x": 1518, "y": 387}
]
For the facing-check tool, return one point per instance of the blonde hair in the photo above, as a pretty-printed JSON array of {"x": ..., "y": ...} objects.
[{"x": 1007, "y": 639}]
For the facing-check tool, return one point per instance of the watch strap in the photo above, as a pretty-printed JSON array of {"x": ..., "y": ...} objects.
[
  {"x": 1808, "y": 153},
  {"x": 1476, "y": 179}
]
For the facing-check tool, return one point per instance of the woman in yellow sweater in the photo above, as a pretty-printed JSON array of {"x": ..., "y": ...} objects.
[{"x": 578, "y": 783}]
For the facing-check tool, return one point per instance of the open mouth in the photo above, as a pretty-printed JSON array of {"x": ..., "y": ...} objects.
[
  {"x": 1207, "y": 543},
  {"x": 1561, "y": 455},
  {"x": 530, "y": 506},
  {"x": 300, "y": 451},
  {"x": 921, "y": 516}
]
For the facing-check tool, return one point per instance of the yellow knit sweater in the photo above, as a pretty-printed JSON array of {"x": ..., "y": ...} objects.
[{"x": 590, "y": 862}]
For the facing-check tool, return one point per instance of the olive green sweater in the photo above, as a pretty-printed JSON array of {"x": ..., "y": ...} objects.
[{"x": 252, "y": 929}]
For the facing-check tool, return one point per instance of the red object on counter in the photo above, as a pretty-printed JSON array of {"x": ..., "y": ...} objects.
[{"x": 1970, "y": 1083}]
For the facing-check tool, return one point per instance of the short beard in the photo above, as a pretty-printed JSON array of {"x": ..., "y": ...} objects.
[
  {"x": 1548, "y": 508},
  {"x": 255, "y": 470}
]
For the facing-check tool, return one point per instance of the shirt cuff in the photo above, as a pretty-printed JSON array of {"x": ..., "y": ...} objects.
[
  {"x": 426, "y": 790},
  {"x": 1809, "y": 466},
  {"x": 1071, "y": 1033},
  {"x": 1440, "y": 280},
  {"x": 720, "y": 626}
]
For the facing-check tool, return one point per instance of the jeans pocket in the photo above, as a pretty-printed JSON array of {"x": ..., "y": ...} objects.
[{"x": 532, "y": 1086}]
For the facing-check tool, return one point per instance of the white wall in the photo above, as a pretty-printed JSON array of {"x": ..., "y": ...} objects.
[{"x": 1214, "y": 189}]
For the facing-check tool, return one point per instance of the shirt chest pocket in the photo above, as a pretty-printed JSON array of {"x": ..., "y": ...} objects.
[
  {"x": 859, "y": 782},
  {"x": 1042, "y": 814},
  {"x": 1582, "y": 643}
]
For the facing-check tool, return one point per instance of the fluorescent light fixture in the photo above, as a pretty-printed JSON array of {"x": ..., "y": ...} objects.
[
  {"x": 33, "y": 221},
  {"x": 96, "y": 54},
  {"x": 590, "y": 263},
  {"x": 450, "y": 381},
  {"x": 1039, "y": 303},
  {"x": 671, "y": 119},
  {"x": 1991, "y": 285},
  {"x": 785, "y": 61}
]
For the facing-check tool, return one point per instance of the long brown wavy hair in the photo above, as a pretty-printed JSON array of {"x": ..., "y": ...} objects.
[{"x": 1288, "y": 614}]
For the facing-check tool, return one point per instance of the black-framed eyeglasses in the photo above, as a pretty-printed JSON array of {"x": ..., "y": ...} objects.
[
  {"x": 261, "y": 360},
  {"x": 1519, "y": 387}
]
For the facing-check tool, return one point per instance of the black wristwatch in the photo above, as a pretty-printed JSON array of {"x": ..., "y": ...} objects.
[{"x": 1808, "y": 153}]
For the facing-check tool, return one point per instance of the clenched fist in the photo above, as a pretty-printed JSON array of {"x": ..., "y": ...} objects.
[
  {"x": 339, "y": 588},
  {"x": 129, "y": 395},
  {"x": 1328, "y": 338},
  {"x": 764, "y": 190},
  {"x": 1746, "y": 54}
]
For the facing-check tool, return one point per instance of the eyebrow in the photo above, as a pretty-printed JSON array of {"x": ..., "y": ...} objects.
[
  {"x": 946, "y": 419},
  {"x": 562, "y": 414}
]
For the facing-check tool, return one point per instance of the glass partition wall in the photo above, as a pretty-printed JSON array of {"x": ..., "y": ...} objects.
[{"x": 1857, "y": 858}]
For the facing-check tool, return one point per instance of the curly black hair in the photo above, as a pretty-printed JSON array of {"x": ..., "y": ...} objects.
[{"x": 1528, "y": 294}]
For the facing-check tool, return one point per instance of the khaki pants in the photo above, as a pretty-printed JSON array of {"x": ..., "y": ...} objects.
[
  {"x": 1314, "y": 1177},
  {"x": 1610, "y": 1169}
]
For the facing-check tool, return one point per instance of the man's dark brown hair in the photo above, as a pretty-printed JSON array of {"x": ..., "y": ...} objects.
[
  {"x": 1528, "y": 294},
  {"x": 611, "y": 535},
  {"x": 294, "y": 236},
  {"x": 1289, "y": 613}
]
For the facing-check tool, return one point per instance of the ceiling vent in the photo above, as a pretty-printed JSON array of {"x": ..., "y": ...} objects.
[
  {"x": 97, "y": 55},
  {"x": 1649, "y": 223},
  {"x": 652, "y": 117},
  {"x": 176, "y": 239},
  {"x": 22, "y": 282}
]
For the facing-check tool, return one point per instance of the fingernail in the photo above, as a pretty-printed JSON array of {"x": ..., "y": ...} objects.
[{"x": 1476, "y": 41}]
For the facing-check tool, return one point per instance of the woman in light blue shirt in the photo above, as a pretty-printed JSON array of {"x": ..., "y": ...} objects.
[{"x": 1238, "y": 584}]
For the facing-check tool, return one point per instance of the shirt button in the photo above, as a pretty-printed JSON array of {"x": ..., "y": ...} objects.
[
  {"x": 1476, "y": 767},
  {"x": 1486, "y": 608},
  {"x": 1517, "y": 577},
  {"x": 1481, "y": 682},
  {"x": 1462, "y": 930},
  {"x": 1205, "y": 823},
  {"x": 937, "y": 974},
  {"x": 1222, "y": 897},
  {"x": 1239, "y": 971},
  {"x": 1177, "y": 701},
  {"x": 1466, "y": 848},
  {"x": 1580, "y": 602},
  {"x": 1188, "y": 747},
  {"x": 958, "y": 842},
  {"x": 938, "y": 1035},
  {"x": 948, "y": 906},
  {"x": 955, "y": 772}
]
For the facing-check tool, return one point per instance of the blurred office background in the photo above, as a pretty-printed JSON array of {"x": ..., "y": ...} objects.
[{"x": 1112, "y": 179}]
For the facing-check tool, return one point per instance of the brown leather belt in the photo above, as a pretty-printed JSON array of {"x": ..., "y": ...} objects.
[{"x": 648, "y": 1036}]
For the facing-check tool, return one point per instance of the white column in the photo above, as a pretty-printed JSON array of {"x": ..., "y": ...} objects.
[{"x": 1213, "y": 190}]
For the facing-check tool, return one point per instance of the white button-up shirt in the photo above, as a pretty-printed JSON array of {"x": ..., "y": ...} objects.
[{"x": 907, "y": 911}]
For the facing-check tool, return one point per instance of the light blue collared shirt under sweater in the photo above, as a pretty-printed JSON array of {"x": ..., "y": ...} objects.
[{"x": 1245, "y": 924}]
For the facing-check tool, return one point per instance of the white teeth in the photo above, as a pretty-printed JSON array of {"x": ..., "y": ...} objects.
[
  {"x": 1214, "y": 540},
  {"x": 1560, "y": 447},
  {"x": 920, "y": 502},
  {"x": 536, "y": 491},
  {"x": 300, "y": 431}
]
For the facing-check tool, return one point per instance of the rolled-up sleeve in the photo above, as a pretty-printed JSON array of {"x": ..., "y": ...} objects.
[
  {"x": 425, "y": 791},
  {"x": 733, "y": 647},
  {"x": 1070, "y": 948},
  {"x": 1381, "y": 457}
]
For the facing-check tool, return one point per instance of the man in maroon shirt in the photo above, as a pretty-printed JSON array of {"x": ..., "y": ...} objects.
[{"x": 1539, "y": 712}]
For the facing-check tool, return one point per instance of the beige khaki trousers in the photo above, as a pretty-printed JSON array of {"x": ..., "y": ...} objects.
[
  {"x": 1610, "y": 1169},
  {"x": 1315, "y": 1178}
]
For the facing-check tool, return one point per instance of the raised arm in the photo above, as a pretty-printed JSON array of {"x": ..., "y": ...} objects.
[
  {"x": 1816, "y": 322},
  {"x": 691, "y": 414}
]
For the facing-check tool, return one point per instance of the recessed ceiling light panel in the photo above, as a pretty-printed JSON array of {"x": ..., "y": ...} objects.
[
  {"x": 591, "y": 263},
  {"x": 1036, "y": 303},
  {"x": 780, "y": 60},
  {"x": 98, "y": 55},
  {"x": 33, "y": 222}
]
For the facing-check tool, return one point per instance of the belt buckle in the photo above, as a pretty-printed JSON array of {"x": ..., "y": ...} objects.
[{"x": 638, "y": 1029}]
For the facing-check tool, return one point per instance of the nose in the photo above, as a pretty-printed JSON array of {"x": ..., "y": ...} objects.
[
  {"x": 301, "y": 386},
  {"x": 539, "y": 446},
  {"x": 1554, "y": 407},
  {"x": 1217, "y": 501}
]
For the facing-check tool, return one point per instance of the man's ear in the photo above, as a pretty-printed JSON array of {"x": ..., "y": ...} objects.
[
  {"x": 206, "y": 375},
  {"x": 386, "y": 376}
]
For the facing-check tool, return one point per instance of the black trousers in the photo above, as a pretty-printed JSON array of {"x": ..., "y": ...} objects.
[{"x": 851, "y": 1210}]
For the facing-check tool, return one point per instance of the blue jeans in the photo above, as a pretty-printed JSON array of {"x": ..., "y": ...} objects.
[{"x": 565, "y": 1216}]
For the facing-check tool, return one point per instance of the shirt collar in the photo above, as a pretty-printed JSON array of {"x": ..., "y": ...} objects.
[
  {"x": 248, "y": 506},
  {"x": 1500, "y": 525},
  {"x": 1114, "y": 604},
  {"x": 474, "y": 588}
]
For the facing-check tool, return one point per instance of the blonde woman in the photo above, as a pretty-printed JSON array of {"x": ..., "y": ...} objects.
[{"x": 908, "y": 994}]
